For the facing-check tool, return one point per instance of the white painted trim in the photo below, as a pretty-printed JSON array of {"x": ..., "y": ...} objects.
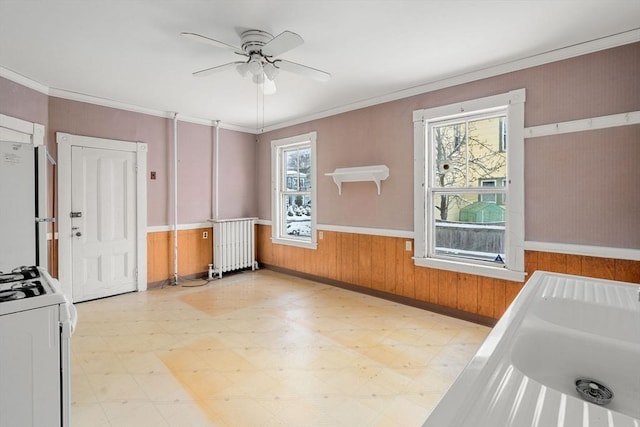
[
  {"x": 591, "y": 46},
  {"x": 141, "y": 215},
  {"x": 193, "y": 226},
  {"x": 479, "y": 270},
  {"x": 65, "y": 142},
  {"x": 296, "y": 243},
  {"x": 73, "y": 96},
  {"x": 593, "y": 123},
  {"x": 385, "y": 232},
  {"x": 563, "y": 248},
  {"x": 24, "y": 81},
  {"x": 365, "y": 230},
  {"x": 594, "y": 251},
  {"x": 512, "y": 104},
  {"x": 277, "y": 145},
  {"x": 17, "y": 125},
  {"x": 587, "y": 47}
]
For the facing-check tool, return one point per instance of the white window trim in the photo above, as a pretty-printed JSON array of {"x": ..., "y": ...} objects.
[
  {"x": 276, "y": 173},
  {"x": 514, "y": 237}
]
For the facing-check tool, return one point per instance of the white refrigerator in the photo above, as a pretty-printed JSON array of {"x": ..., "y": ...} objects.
[{"x": 36, "y": 320}]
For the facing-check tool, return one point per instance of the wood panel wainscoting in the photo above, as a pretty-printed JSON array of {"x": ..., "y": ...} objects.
[
  {"x": 194, "y": 256},
  {"x": 382, "y": 266}
]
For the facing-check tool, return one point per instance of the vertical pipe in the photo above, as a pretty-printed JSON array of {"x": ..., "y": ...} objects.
[
  {"x": 175, "y": 198},
  {"x": 216, "y": 124},
  {"x": 216, "y": 241}
]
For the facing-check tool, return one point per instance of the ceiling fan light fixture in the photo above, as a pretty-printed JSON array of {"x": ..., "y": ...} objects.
[
  {"x": 243, "y": 69},
  {"x": 255, "y": 66},
  {"x": 270, "y": 70}
]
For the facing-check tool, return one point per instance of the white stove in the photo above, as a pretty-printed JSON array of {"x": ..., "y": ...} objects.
[
  {"x": 20, "y": 287},
  {"x": 36, "y": 323}
]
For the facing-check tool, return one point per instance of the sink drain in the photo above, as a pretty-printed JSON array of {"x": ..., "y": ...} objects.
[{"x": 593, "y": 391}]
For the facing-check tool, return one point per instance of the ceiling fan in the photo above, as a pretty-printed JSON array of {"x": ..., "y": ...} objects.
[{"x": 261, "y": 50}]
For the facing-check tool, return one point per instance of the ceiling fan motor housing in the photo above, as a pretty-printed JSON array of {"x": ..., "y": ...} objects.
[{"x": 253, "y": 40}]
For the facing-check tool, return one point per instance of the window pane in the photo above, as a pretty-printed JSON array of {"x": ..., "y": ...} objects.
[
  {"x": 450, "y": 155},
  {"x": 486, "y": 159},
  {"x": 467, "y": 227},
  {"x": 291, "y": 175},
  {"x": 469, "y": 152},
  {"x": 488, "y": 197},
  {"x": 297, "y": 162},
  {"x": 297, "y": 218}
]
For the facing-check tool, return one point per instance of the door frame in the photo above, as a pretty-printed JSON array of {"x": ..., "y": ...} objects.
[{"x": 65, "y": 141}]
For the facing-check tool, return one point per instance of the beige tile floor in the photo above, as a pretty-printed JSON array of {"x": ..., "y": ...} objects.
[{"x": 262, "y": 349}]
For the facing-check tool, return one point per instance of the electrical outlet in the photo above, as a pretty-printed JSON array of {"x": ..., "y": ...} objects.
[
  {"x": 320, "y": 235},
  {"x": 205, "y": 234},
  {"x": 152, "y": 175},
  {"x": 407, "y": 245}
]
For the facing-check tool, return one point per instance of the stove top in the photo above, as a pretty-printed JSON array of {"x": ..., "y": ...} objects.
[
  {"x": 19, "y": 274},
  {"x": 21, "y": 282},
  {"x": 21, "y": 290},
  {"x": 20, "y": 287}
]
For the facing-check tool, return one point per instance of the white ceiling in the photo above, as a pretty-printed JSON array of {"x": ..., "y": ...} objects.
[{"x": 131, "y": 52}]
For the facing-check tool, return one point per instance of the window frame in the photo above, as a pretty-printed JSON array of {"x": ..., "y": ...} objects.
[
  {"x": 278, "y": 169},
  {"x": 513, "y": 269},
  {"x": 499, "y": 182}
]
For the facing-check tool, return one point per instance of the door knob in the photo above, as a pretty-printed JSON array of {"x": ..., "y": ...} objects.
[{"x": 78, "y": 233}]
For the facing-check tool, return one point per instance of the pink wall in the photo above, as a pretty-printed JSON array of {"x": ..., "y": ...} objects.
[
  {"x": 584, "y": 187},
  {"x": 588, "y": 202},
  {"x": 597, "y": 84},
  {"x": 195, "y": 172},
  {"x": 195, "y": 159},
  {"x": 196, "y": 178},
  {"x": 23, "y": 103},
  {"x": 85, "y": 119},
  {"x": 237, "y": 151}
]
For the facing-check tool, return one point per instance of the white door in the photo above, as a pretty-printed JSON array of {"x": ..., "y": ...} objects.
[
  {"x": 103, "y": 222},
  {"x": 101, "y": 216}
]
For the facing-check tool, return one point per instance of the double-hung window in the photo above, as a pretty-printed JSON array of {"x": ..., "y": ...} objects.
[
  {"x": 469, "y": 188},
  {"x": 293, "y": 201}
]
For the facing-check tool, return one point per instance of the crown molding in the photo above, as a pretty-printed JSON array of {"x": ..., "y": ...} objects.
[
  {"x": 578, "y": 49},
  {"x": 22, "y": 80},
  {"x": 608, "y": 42},
  {"x": 80, "y": 97}
]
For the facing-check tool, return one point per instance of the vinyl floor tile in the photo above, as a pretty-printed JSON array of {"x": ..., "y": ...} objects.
[{"x": 262, "y": 349}]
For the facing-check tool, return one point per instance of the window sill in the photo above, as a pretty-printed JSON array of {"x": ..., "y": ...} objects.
[
  {"x": 480, "y": 270},
  {"x": 296, "y": 243}
]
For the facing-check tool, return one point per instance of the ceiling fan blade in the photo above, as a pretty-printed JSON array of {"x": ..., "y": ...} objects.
[
  {"x": 303, "y": 70},
  {"x": 217, "y": 69},
  {"x": 282, "y": 43},
  {"x": 212, "y": 42}
]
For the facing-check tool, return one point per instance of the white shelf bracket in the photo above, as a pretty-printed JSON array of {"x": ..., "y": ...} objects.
[{"x": 377, "y": 174}]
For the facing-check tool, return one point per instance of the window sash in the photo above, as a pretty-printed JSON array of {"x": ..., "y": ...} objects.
[
  {"x": 494, "y": 105},
  {"x": 281, "y": 152}
]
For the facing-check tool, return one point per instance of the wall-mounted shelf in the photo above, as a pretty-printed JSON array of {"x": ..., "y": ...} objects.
[{"x": 375, "y": 173}]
